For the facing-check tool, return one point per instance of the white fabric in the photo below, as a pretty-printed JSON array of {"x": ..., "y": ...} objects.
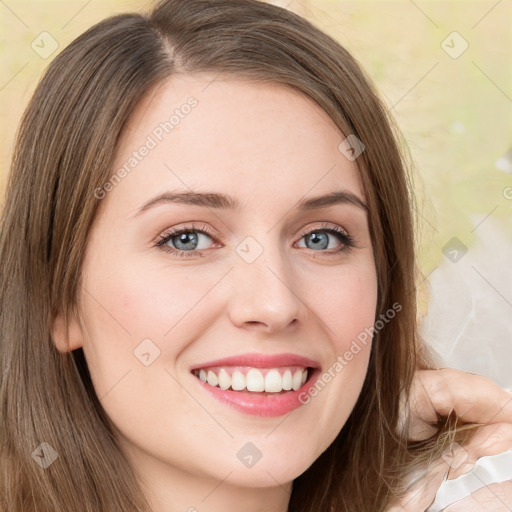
[
  {"x": 469, "y": 319},
  {"x": 492, "y": 469}
]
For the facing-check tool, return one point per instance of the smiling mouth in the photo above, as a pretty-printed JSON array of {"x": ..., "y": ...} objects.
[{"x": 246, "y": 379}]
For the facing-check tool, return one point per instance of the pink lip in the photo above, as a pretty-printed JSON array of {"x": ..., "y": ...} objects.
[
  {"x": 260, "y": 361},
  {"x": 261, "y": 404}
]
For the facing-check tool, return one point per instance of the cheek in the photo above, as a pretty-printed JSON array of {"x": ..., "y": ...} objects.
[
  {"x": 347, "y": 310},
  {"x": 133, "y": 310},
  {"x": 150, "y": 301},
  {"x": 347, "y": 303}
]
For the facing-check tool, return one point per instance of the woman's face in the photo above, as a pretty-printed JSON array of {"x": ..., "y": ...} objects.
[{"x": 268, "y": 284}]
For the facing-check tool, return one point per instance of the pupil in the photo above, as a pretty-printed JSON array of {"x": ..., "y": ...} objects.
[
  {"x": 316, "y": 238},
  {"x": 187, "y": 239}
]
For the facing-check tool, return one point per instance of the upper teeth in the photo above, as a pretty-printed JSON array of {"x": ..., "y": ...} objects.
[{"x": 254, "y": 379}]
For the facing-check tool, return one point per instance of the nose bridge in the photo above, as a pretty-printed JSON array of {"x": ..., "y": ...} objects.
[{"x": 263, "y": 290}]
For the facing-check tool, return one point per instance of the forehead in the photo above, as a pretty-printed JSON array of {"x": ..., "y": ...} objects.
[{"x": 253, "y": 141}]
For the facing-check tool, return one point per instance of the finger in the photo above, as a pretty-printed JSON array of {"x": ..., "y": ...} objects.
[
  {"x": 474, "y": 398},
  {"x": 488, "y": 440}
]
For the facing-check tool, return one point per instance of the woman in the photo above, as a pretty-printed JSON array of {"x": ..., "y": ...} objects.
[{"x": 208, "y": 264}]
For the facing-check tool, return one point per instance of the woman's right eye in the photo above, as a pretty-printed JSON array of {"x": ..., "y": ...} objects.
[{"x": 184, "y": 241}]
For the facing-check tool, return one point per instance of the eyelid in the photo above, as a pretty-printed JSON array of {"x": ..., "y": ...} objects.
[
  {"x": 196, "y": 227},
  {"x": 324, "y": 226}
]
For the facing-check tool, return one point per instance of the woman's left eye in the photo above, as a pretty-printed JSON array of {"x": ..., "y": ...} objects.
[
  {"x": 191, "y": 241},
  {"x": 318, "y": 238}
]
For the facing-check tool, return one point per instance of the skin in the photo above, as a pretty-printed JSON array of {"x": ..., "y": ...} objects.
[{"x": 268, "y": 147}]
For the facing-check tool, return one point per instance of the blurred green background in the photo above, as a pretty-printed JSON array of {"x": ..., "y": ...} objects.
[{"x": 442, "y": 67}]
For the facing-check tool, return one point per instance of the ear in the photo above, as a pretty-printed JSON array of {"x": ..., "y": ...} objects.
[{"x": 66, "y": 336}]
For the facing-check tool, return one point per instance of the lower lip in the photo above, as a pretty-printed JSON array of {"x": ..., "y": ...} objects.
[{"x": 259, "y": 404}]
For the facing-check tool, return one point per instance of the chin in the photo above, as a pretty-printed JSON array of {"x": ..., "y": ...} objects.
[{"x": 275, "y": 470}]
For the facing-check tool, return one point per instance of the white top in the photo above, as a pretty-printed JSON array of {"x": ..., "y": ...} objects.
[{"x": 492, "y": 469}]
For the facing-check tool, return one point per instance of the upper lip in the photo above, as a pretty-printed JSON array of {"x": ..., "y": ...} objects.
[{"x": 261, "y": 361}]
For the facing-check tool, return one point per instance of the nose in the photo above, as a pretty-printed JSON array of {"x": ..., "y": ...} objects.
[{"x": 264, "y": 293}]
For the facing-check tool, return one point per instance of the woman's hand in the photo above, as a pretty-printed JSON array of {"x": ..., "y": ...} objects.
[{"x": 474, "y": 399}]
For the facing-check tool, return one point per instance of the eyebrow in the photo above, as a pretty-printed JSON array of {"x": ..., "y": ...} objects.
[{"x": 226, "y": 202}]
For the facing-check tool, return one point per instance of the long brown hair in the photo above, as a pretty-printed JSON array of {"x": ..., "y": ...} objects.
[{"x": 65, "y": 150}]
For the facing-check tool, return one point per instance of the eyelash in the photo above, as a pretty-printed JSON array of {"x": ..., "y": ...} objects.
[{"x": 346, "y": 240}]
